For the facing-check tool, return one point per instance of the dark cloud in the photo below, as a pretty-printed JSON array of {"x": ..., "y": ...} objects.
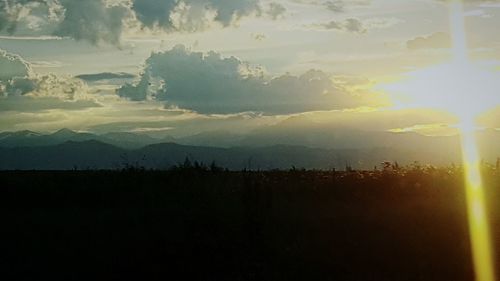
[
  {"x": 191, "y": 15},
  {"x": 99, "y": 21},
  {"x": 209, "y": 83},
  {"x": 20, "y": 86},
  {"x": 91, "y": 20},
  {"x": 10, "y": 12},
  {"x": 153, "y": 13},
  {"x": 105, "y": 76},
  {"x": 230, "y": 10}
]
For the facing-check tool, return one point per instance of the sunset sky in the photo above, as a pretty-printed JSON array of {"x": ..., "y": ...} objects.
[{"x": 179, "y": 68}]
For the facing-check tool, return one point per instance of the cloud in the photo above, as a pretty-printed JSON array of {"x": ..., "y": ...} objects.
[
  {"x": 354, "y": 25},
  {"x": 45, "y": 92},
  {"x": 351, "y": 25},
  {"x": 31, "y": 104},
  {"x": 12, "y": 66},
  {"x": 258, "y": 36},
  {"x": 19, "y": 86},
  {"x": 153, "y": 13},
  {"x": 211, "y": 84},
  {"x": 29, "y": 17},
  {"x": 371, "y": 120},
  {"x": 191, "y": 15},
  {"x": 339, "y": 6},
  {"x": 336, "y": 6},
  {"x": 276, "y": 10},
  {"x": 105, "y": 76},
  {"x": 230, "y": 10},
  {"x": 178, "y": 123},
  {"x": 10, "y": 13},
  {"x": 438, "y": 40},
  {"x": 92, "y": 20},
  {"x": 104, "y": 21},
  {"x": 21, "y": 89}
]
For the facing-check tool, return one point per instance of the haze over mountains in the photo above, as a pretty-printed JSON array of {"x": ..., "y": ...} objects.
[{"x": 264, "y": 149}]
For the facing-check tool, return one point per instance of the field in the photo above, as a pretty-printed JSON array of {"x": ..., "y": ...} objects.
[{"x": 193, "y": 223}]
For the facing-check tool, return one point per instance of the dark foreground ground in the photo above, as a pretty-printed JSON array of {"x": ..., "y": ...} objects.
[{"x": 191, "y": 224}]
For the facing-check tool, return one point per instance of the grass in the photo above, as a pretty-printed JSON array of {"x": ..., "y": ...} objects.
[{"x": 195, "y": 223}]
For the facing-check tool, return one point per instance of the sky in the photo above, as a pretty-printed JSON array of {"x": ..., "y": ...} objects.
[{"x": 183, "y": 67}]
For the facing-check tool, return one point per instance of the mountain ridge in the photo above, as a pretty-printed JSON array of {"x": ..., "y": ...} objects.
[
  {"x": 282, "y": 150},
  {"x": 93, "y": 154}
]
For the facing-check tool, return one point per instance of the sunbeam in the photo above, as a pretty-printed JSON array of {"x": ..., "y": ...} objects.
[
  {"x": 465, "y": 89},
  {"x": 476, "y": 206}
]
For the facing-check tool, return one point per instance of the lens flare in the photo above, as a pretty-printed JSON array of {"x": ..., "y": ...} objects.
[
  {"x": 482, "y": 255},
  {"x": 476, "y": 206},
  {"x": 458, "y": 31},
  {"x": 466, "y": 90}
]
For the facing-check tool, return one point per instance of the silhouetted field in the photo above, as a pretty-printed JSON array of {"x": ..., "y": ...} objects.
[{"x": 202, "y": 224}]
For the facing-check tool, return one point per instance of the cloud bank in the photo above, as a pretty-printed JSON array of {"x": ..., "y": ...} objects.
[
  {"x": 98, "y": 21},
  {"x": 23, "y": 90},
  {"x": 209, "y": 83},
  {"x": 191, "y": 15}
]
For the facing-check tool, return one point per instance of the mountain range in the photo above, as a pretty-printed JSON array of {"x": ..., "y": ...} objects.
[
  {"x": 66, "y": 149},
  {"x": 34, "y": 139}
]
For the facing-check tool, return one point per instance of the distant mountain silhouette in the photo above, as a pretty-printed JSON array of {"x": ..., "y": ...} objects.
[
  {"x": 69, "y": 155},
  {"x": 264, "y": 149},
  {"x": 66, "y": 135},
  {"x": 31, "y": 139},
  {"x": 129, "y": 140},
  {"x": 98, "y": 155},
  {"x": 20, "y": 138},
  {"x": 216, "y": 138}
]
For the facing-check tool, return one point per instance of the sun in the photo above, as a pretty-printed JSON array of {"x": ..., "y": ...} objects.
[
  {"x": 461, "y": 87},
  {"x": 464, "y": 89}
]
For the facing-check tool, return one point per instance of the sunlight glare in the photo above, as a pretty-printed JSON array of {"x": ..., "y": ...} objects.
[
  {"x": 461, "y": 87},
  {"x": 457, "y": 25},
  {"x": 476, "y": 207},
  {"x": 465, "y": 89}
]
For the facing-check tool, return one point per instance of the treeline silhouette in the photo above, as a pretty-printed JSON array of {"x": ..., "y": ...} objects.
[{"x": 202, "y": 222}]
